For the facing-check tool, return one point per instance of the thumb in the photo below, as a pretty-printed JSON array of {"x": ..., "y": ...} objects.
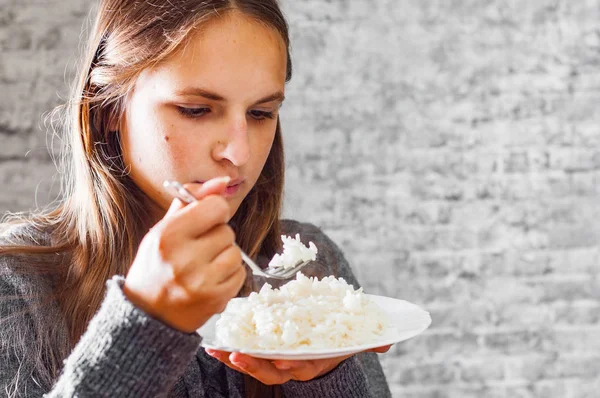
[{"x": 215, "y": 186}]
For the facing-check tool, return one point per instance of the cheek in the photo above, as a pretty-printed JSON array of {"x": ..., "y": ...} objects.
[
  {"x": 149, "y": 135},
  {"x": 263, "y": 147}
]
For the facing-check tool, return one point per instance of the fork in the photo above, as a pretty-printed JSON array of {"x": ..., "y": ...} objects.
[{"x": 179, "y": 191}]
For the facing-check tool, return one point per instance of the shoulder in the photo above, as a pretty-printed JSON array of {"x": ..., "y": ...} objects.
[
  {"x": 292, "y": 227},
  {"x": 29, "y": 311},
  {"x": 310, "y": 233},
  {"x": 24, "y": 273},
  {"x": 23, "y": 234},
  {"x": 307, "y": 232},
  {"x": 330, "y": 258}
]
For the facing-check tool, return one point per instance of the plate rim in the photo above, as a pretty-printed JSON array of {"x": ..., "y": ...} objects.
[{"x": 425, "y": 318}]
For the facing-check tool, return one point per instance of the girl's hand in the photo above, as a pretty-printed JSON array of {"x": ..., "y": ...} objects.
[
  {"x": 281, "y": 371},
  {"x": 187, "y": 267}
]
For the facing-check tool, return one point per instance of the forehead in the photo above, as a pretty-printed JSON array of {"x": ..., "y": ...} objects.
[{"x": 229, "y": 54}]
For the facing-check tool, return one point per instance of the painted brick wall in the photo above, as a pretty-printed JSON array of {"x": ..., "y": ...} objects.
[{"x": 452, "y": 149}]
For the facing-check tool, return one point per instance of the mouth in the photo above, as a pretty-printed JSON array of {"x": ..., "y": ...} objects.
[{"x": 232, "y": 188}]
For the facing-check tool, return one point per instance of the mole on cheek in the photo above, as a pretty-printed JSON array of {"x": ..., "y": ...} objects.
[{"x": 166, "y": 138}]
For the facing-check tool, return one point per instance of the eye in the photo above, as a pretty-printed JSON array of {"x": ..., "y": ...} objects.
[
  {"x": 193, "y": 112},
  {"x": 261, "y": 115}
]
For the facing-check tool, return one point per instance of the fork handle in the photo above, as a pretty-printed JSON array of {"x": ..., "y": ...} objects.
[{"x": 255, "y": 269}]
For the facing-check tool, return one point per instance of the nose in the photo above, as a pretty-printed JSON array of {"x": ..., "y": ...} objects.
[{"x": 234, "y": 145}]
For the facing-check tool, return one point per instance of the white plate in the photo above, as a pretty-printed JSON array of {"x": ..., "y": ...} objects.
[{"x": 407, "y": 320}]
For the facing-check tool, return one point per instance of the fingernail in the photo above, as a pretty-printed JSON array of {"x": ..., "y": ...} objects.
[
  {"x": 216, "y": 181},
  {"x": 212, "y": 353},
  {"x": 242, "y": 365},
  {"x": 225, "y": 179},
  {"x": 282, "y": 366}
]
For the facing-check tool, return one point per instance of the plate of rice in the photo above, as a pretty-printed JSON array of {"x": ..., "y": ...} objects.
[{"x": 308, "y": 318}]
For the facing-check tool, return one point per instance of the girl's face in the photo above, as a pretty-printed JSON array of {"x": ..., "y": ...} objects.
[{"x": 210, "y": 110}]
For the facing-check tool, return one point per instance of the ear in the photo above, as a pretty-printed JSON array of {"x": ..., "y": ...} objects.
[
  {"x": 118, "y": 118},
  {"x": 117, "y": 122}
]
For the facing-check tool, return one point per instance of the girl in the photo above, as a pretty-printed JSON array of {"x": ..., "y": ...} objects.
[{"x": 187, "y": 90}]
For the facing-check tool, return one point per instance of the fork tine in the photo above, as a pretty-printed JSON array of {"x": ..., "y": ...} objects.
[{"x": 289, "y": 272}]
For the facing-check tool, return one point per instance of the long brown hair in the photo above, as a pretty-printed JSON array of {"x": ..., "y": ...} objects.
[{"x": 103, "y": 215}]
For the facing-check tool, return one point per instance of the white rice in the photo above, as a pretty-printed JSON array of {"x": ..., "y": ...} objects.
[
  {"x": 294, "y": 251},
  {"x": 304, "y": 313}
]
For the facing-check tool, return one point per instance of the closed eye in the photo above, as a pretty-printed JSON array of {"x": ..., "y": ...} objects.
[
  {"x": 261, "y": 115},
  {"x": 193, "y": 112}
]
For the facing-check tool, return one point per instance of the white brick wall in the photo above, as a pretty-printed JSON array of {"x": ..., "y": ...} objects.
[{"x": 452, "y": 149}]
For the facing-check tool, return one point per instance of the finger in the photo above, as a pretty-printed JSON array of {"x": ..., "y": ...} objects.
[
  {"x": 287, "y": 365},
  {"x": 227, "y": 263},
  {"x": 217, "y": 354},
  {"x": 198, "y": 218},
  {"x": 231, "y": 286},
  {"x": 215, "y": 186},
  {"x": 308, "y": 370},
  {"x": 381, "y": 349},
  {"x": 176, "y": 205},
  {"x": 223, "y": 357},
  {"x": 209, "y": 249},
  {"x": 260, "y": 369},
  {"x": 224, "y": 277}
]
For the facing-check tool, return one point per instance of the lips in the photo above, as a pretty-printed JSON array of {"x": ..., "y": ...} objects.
[
  {"x": 232, "y": 188},
  {"x": 232, "y": 183},
  {"x": 235, "y": 182}
]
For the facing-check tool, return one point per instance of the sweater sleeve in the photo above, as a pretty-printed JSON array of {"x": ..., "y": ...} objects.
[
  {"x": 19, "y": 375},
  {"x": 123, "y": 353},
  {"x": 359, "y": 376}
]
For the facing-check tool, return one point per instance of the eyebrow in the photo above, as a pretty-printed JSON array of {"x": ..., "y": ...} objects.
[{"x": 200, "y": 92}]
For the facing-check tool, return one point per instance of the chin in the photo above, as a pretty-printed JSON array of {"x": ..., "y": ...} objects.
[{"x": 234, "y": 205}]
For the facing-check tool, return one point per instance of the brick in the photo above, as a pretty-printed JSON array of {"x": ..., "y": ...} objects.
[
  {"x": 539, "y": 289},
  {"x": 437, "y": 188},
  {"x": 584, "y": 234},
  {"x": 572, "y": 366},
  {"x": 463, "y": 316},
  {"x": 438, "y": 346},
  {"x": 442, "y": 291},
  {"x": 463, "y": 391},
  {"x": 424, "y": 213},
  {"x": 517, "y": 341},
  {"x": 530, "y": 367},
  {"x": 440, "y": 264},
  {"x": 422, "y": 374},
  {"x": 30, "y": 183},
  {"x": 555, "y": 389},
  {"x": 438, "y": 238},
  {"x": 446, "y": 163},
  {"x": 503, "y": 237},
  {"x": 506, "y": 290},
  {"x": 574, "y": 260},
  {"x": 552, "y": 366},
  {"x": 481, "y": 370},
  {"x": 574, "y": 159},
  {"x": 525, "y": 315},
  {"x": 577, "y": 312},
  {"x": 587, "y": 133},
  {"x": 556, "y": 288},
  {"x": 585, "y": 184},
  {"x": 586, "y": 388},
  {"x": 540, "y": 262},
  {"x": 577, "y": 339}
]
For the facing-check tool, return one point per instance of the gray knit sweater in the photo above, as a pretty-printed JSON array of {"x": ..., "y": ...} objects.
[{"x": 126, "y": 353}]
